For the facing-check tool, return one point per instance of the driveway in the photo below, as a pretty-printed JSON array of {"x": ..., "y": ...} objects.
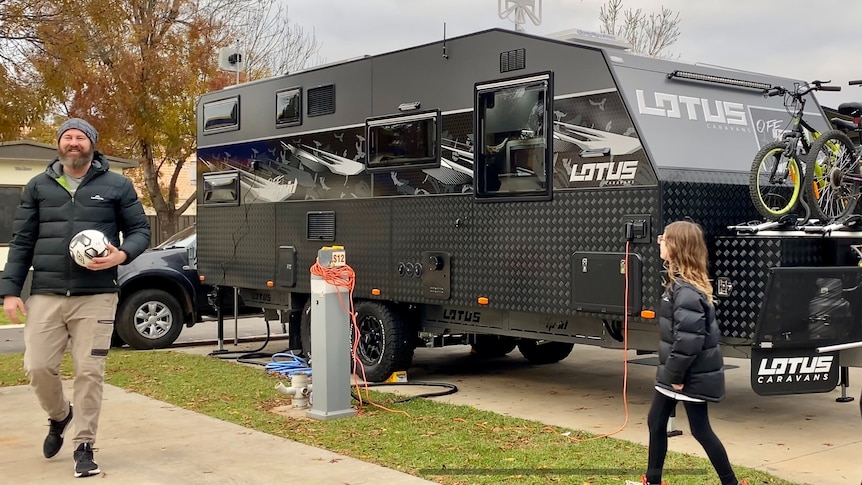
[{"x": 788, "y": 436}]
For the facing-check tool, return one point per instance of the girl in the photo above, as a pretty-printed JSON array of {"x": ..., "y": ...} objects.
[{"x": 690, "y": 361}]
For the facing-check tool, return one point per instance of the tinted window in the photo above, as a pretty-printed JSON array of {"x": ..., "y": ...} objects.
[
  {"x": 288, "y": 107},
  {"x": 514, "y": 134},
  {"x": 403, "y": 141},
  {"x": 221, "y": 115}
]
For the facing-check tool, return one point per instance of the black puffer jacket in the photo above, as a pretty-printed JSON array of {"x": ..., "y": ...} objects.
[
  {"x": 688, "y": 352},
  {"x": 49, "y": 216}
]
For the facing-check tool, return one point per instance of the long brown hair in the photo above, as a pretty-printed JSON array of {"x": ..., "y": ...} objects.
[{"x": 687, "y": 255}]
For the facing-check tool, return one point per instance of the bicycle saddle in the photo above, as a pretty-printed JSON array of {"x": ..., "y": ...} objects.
[
  {"x": 850, "y": 109},
  {"x": 844, "y": 125}
]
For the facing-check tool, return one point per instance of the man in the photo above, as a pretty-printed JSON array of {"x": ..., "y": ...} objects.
[{"x": 68, "y": 302}]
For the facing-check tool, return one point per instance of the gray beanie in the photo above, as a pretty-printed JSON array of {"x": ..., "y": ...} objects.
[{"x": 78, "y": 124}]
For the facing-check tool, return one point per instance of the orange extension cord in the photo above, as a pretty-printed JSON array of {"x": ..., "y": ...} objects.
[{"x": 625, "y": 358}]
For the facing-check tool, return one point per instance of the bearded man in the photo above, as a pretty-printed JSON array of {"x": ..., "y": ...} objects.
[{"x": 68, "y": 303}]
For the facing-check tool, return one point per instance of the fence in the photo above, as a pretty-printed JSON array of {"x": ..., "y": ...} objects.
[{"x": 182, "y": 223}]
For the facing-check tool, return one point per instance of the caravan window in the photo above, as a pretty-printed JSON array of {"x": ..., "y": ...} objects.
[
  {"x": 396, "y": 142},
  {"x": 222, "y": 115},
  {"x": 288, "y": 107},
  {"x": 513, "y": 153}
]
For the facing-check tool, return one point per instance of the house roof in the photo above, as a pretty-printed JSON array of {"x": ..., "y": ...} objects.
[{"x": 34, "y": 151}]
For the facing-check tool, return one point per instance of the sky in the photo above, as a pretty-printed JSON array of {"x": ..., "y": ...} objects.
[{"x": 800, "y": 39}]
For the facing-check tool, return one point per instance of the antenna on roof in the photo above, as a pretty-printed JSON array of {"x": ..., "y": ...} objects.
[
  {"x": 519, "y": 10},
  {"x": 445, "y": 55}
]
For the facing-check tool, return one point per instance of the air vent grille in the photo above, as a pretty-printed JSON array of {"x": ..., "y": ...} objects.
[
  {"x": 513, "y": 60},
  {"x": 321, "y": 226},
  {"x": 321, "y": 101}
]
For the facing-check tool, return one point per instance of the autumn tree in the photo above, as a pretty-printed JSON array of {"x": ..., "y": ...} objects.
[
  {"x": 23, "y": 103},
  {"x": 649, "y": 34},
  {"x": 135, "y": 69}
]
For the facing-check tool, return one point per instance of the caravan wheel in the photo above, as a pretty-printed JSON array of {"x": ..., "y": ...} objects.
[
  {"x": 544, "y": 352},
  {"x": 385, "y": 342},
  {"x": 493, "y": 345}
]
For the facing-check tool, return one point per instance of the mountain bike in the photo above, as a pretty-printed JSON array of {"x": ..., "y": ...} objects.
[
  {"x": 835, "y": 173},
  {"x": 778, "y": 172}
]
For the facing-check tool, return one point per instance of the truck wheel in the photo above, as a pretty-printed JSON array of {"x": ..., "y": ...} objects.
[
  {"x": 116, "y": 341},
  {"x": 149, "y": 319},
  {"x": 544, "y": 352},
  {"x": 385, "y": 342},
  {"x": 493, "y": 345}
]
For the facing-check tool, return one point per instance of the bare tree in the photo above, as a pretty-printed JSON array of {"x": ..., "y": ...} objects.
[
  {"x": 274, "y": 44},
  {"x": 649, "y": 34}
]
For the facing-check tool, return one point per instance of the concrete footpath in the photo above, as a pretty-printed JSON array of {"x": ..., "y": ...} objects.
[{"x": 147, "y": 442}]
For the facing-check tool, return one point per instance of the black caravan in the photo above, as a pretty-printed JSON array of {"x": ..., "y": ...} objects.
[{"x": 500, "y": 189}]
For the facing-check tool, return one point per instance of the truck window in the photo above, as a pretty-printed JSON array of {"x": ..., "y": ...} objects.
[{"x": 513, "y": 153}]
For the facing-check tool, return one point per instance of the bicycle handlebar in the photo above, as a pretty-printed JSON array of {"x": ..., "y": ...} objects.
[{"x": 803, "y": 90}]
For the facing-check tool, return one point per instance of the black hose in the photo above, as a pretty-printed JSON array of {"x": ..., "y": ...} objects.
[
  {"x": 451, "y": 389},
  {"x": 245, "y": 356}
]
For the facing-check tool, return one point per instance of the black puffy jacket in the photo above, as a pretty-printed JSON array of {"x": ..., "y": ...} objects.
[
  {"x": 49, "y": 216},
  {"x": 688, "y": 352}
]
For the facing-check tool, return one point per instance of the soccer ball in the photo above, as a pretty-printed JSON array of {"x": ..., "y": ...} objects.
[{"x": 86, "y": 245}]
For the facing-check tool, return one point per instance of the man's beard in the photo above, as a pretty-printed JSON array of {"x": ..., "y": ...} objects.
[{"x": 76, "y": 160}]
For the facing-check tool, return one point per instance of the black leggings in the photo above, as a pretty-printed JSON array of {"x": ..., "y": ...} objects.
[{"x": 698, "y": 421}]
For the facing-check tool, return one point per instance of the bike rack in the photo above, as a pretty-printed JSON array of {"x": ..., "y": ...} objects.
[
  {"x": 850, "y": 226},
  {"x": 754, "y": 227}
]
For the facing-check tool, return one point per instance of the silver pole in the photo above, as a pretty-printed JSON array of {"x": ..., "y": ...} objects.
[
  {"x": 832, "y": 348},
  {"x": 235, "y": 315}
]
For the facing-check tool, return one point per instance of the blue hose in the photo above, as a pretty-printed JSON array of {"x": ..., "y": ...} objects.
[{"x": 288, "y": 364}]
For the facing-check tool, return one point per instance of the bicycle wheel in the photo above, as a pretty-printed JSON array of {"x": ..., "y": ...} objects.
[
  {"x": 775, "y": 181},
  {"x": 833, "y": 177}
]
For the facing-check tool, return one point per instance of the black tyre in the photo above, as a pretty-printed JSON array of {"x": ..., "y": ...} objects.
[
  {"x": 775, "y": 181},
  {"x": 385, "y": 342},
  {"x": 493, "y": 345},
  {"x": 833, "y": 177},
  {"x": 149, "y": 319},
  {"x": 305, "y": 330},
  {"x": 544, "y": 352},
  {"x": 116, "y": 341}
]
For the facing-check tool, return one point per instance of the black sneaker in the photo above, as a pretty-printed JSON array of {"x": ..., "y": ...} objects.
[
  {"x": 84, "y": 464},
  {"x": 56, "y": 430}
]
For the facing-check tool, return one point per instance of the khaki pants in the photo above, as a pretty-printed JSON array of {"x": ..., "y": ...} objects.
[{"x": 52, "y": 321}]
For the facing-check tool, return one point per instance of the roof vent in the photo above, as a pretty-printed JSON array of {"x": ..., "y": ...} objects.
[{"x": 599, "y": 39}]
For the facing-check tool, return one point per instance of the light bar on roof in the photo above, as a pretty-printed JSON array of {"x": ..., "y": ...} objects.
[{"x": 718, "y": 80}]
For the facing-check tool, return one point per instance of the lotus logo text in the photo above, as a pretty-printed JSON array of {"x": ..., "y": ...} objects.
[
  {"x": 691, "y": 108},
  {"x": 794, "y": 369},
  {"x": 610, "y": 171},
  {"x": 461, "y": 315}
]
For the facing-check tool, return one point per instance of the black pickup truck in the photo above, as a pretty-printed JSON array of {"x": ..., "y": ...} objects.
[{"x": 160, "y": 293}]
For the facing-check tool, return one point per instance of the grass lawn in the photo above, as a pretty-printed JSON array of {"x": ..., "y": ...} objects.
[
  {"x": 3, "y": 319},
  {"x": 448, "y": 444}
]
